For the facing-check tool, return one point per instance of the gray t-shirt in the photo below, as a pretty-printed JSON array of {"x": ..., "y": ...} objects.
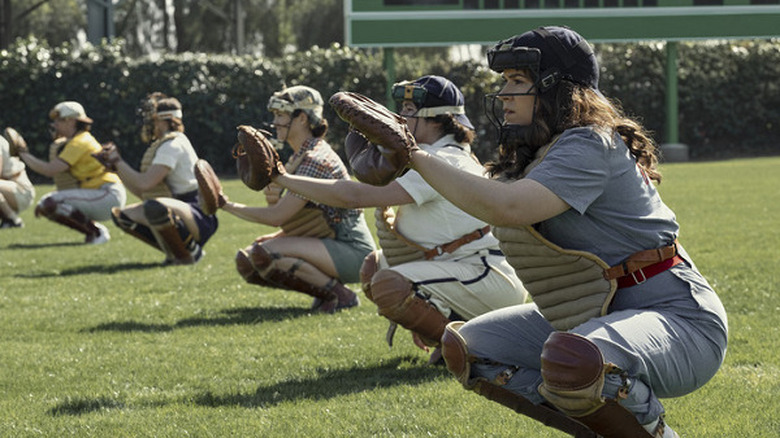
[{"x": 615, "y": 208}]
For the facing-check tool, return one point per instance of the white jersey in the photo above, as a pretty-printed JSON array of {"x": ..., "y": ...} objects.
[
  {"x": 178, "y": 155},
  {"x": 433, "y": 220},
  {"x": 476, "y": 277},
  {"x": 11, "y": 165}
]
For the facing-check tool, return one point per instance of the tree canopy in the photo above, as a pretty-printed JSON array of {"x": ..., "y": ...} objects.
[{"x": 260, "y": 27}]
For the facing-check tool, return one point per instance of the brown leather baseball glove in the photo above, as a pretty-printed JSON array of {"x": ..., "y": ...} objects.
[
  {"x": 210, "y": 195},
  {"x": 382, "y": 154},
  {"x": 257, "y": 161},
  {"x": 15, "y": 140}
]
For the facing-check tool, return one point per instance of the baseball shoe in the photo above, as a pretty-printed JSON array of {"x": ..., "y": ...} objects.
[
  {"x": 196, "y": 251},
  {"x": 341, "y": 297},
  {"x": 325, "y": 306},
  {"x": 659, "y": 429},
  {"x": 8, "y": 223},
  {"x": 102, "y": 235}
]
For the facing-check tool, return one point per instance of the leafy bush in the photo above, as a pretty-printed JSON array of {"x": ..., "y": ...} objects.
[{"x": 729, "y": 95}]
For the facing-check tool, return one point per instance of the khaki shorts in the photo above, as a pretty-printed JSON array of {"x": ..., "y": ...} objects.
[{"x": 469, "y": 286}]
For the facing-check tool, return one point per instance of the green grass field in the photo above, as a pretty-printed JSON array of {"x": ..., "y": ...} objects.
[{"x": 104, "y": 342}]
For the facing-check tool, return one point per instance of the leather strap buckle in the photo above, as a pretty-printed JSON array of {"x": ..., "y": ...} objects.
[{"x": 636, "y": 280}]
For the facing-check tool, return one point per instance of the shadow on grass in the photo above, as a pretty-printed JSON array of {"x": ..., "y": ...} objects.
[
  {"x": 95, "y": 269},
  {"x": 239, "y": 316},
  {"x": 328, "y": 384},
  {"x": 82, "y": 405},
  {"x": 42, "y": 245},
  {"x": 332, "y": 383}
]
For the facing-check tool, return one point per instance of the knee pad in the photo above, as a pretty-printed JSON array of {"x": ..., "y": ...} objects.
[
  {"x": 46, "y": 208},
  {"x": 390, "y": 291},
  {"x": 394, "y": 297},
  {"x": 246, "y": 270},
  {"x": 156, "y": 212},
  {"x": 260, "y": 258},
  {"x": 171, "y": 234},
  {"x": 456, "y": 353},
  {"x": 369, "y": 267},
  {"x": 139, "y": 231},
  {"x": 243, "y": 265},
  {"x": 573, "y": 371}
]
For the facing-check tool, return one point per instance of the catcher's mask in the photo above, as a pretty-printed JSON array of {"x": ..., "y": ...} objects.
[
  {"x": 299, "y": 97},
  {"x": 433, "y": 96},
  {"x": 146, "y": 113},
  {"x": 550, "y": 54}
]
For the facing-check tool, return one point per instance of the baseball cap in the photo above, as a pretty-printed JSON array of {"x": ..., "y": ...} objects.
[
  {"x": 433, "y": 95},
  {"x": 559, "y": 53},
  {"x": 300, "y": 97},
  {"x": 69, "y": 110}
]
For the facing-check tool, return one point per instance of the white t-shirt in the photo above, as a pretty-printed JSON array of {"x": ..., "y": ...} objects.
[
  {"x": 433, "y": 220},
  {"x": 178, "y": 155}
]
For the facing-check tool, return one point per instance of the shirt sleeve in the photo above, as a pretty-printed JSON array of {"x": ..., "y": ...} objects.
[
  {"x": 576, "y": 168},
  {"x": 416, "y": 186},
  {"x": 168, "y": 154},
  {"x": 73, "y": 151}
]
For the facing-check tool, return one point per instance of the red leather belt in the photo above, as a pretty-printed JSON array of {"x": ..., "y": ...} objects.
[{"x": 641, "y": 275}]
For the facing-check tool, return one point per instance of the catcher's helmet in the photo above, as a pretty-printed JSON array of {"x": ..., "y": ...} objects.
[
  {"x": 551, "y": 53},
  {"x": 433, "y": 95}
]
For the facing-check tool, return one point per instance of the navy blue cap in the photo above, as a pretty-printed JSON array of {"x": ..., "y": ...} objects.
[
  {"x": 440, "y": 96},
  {"x": 562, "y": 54}
]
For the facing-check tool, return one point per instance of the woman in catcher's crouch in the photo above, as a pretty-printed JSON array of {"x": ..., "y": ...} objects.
[
  {"x": 437, "y": 263},
  {"x": 318, "y": 248},
  {"x": 169, "y": 219},
  {"x": 573, "y": 172},
  {"x": 16, "y": 191}
]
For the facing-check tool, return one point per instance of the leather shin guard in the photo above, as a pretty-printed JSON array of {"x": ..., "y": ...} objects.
[
  {"x": 139, "y": 231},
  {"x": 264, "y": 263},
  {"x": 456, "y": 355},
  {"x": 66, "y": 215},
  {"x": 163, "y": 225},
  {"x": 573, "y": 371},
  {"x": 546, "y": 415},
  {"x": 247, "y": 271},
  {"x": 396, "y": 301}
]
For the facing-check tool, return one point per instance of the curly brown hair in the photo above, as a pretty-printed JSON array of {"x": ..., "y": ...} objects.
[{"x": 567, "y": 106}]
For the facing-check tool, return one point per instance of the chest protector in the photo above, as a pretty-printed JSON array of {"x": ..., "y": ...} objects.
[
  {"x": 568, "y": 286},
  {"x": 309, "y": 221},
  {"x": 62, "y": 180},
  {"x": 396, "y": 248},
  {"x": 161, "y": 190}
]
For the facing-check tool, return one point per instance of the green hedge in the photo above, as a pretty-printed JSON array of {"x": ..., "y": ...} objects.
[{"x": 729, "y": 92}]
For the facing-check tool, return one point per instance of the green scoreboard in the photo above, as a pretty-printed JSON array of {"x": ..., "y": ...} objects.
[
  {"x": 402, "y": 23},
  {"x": 406, "y": 23}
]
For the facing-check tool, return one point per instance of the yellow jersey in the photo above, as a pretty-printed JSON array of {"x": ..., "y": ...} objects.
[{"x": 83, "y": 166}]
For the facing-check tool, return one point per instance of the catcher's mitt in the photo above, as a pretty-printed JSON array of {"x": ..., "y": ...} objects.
[
  {"x": 257, "y": 161},
  {"x": 15, "y": 141},
  {"x": 210, "y": 195},
  {"x": 108, "y": 156},
  {"x": 382, "y": 153}
]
